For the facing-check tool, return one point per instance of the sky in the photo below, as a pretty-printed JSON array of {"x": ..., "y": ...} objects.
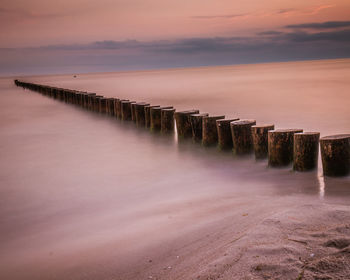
[{"x": 72, "y": 36}]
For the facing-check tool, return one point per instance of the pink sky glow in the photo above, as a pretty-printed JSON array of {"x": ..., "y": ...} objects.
[
  {"x": 43, "y": 36},
  {"x": 38, "y": 22}
]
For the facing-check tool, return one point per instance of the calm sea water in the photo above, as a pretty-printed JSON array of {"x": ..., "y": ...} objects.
[{"x": 83, "y": 195}]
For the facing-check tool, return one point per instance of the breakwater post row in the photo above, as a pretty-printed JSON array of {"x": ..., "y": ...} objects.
[{"x": 281, "y": 147}]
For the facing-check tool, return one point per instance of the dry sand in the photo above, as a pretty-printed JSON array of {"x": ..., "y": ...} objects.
[{"x": 307, "y": 242}]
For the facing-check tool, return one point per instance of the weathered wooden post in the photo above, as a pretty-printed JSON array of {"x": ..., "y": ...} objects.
[
  {"x": 63, "y": 94},
  {"x": 140, "y": 113},
  {"x": 90, "y": 101},
  {"x": 77, "y": 98},
  {"x": 148, "y": 115},
  {"x": 118, "y": 107},
  {"x": 305, "y": 155},
  {"x": 224, "y": 133},
  {"x": 280, "y": 146},
  {"x": 133, "y": 118},
  {"x": 115, "y": 105},
  {"x": 69, "y": 96},
  {"x": 260, "y": 139},
  {"x": 107, "y": 105},
  {"x": 183, "y": 123},
  {"x": 209, "y": 130},
  {"x": 55, "y": 93},
  {"x": 85, "y": 100},
  {"x": 47, "y": 91},
  {"x": 242, "y": 136},
  {"x": 103, "y": 105},
  {"x": 96, "y": 103},
  {"x": 126, "y": 110},
  {"x": 73, "y": 93},
  {"x": 156, "y": 117},
  {"x": 196, "y": 121},
  {"x": 167, "y": 121},
  {"x": 110, "y": 106},
  {"x": 335, "y": 152}
]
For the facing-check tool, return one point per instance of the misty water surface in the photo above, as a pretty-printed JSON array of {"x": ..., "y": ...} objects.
[{"x": 78, "y": 187}]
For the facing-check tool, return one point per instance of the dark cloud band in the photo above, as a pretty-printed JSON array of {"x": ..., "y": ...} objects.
[{"x": 322, "y": 25}]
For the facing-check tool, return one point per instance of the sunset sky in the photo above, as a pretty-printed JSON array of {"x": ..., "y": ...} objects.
[{"x": 38, "y": 36}]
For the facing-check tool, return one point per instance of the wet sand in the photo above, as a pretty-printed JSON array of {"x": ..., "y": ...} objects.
[{"x": 84, "y": 196}]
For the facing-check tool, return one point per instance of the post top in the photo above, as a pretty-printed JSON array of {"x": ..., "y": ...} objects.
[
  {"x": 243, "y": 122},
  {"x": 214, "y": 117},
  {"x": 336, "y": 137},
  {"x": 220, "y": 121},
  {"x": 264, "y": 126},
  {"x": 200, "y": 115},
  {"x": 290, "y": 130},
  {"x": 308, "y": 133},
  {"x": 152, "y": 106},
  {"x": 188, "y": 112}
]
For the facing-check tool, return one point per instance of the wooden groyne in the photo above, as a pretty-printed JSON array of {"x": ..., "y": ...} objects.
[{"x": 282, "y": 147}]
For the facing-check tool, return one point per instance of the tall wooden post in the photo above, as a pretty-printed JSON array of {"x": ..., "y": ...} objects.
[
  {"x": 242, "y": 136},
  {"x": 280, "y": 146},
  {"x": 260, "y": 139},
  {"x": 305, "y": 155},
  {"x": 209, "y": 130},
  {"x": 335, "y": 152}
]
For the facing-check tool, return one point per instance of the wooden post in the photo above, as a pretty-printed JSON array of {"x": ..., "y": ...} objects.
[
  {"x": 196, "y": 121},
  {"x": 118, "y": 107},
  {"x": 107, "y": 105},
  {"x": 103, "y": 105},
  {"x": 65, "y": 95},
  {"x": 74, "y": 93},
  {"x": 140, "y": 113},
  {"x": 58, "y": 94},
  {"x": 280, "y": 146},
  {"x": 183, "y": 123},
  {"x": 224, "y": 133},
  {"x": 305, "y": 155},
  {"x": 167, "y": 120},
  {"x": 96, "y": 103},
  {"x": 335, "y": 152},
  {"x": 148, "y": 115},
  {"x": 77, "y": 98},
  {"x": 115, "y": 105},
  {"x": 156, "y": 117},
  {"x": 110, "y": 106},
  {"x": 126, "y": 110},
  {"x": 133, "y": 111},
  {"x": 69, "y": 95},
  {"x": 209, "y": 131},
  {"x": 86, "y": 102},
  {"x": 47, "y": 91},
  {"x": 260, "y": 137},
  {"x": 242, "y": 136},
  {"x": 90, "y": 101}
]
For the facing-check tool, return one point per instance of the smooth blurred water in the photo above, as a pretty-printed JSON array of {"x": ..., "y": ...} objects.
[{"x": 77, "y": 187}]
